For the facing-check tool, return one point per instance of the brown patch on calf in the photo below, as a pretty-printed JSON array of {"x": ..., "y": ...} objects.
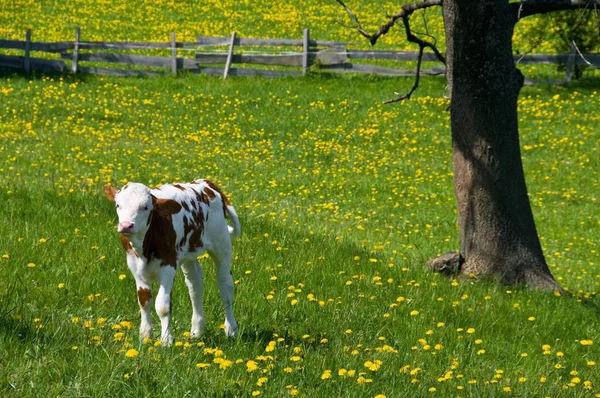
[
  {"x": 160, "y": 239},
  {"x": 223, "y": 197},
  {"x": 210, "y": 193},
  {"x": 197, "y": 229},
  {"x": 180, "y": 187},
  {"x": 110, "y": 192},
  {"x": 201, "y": 196},
  {"x": 185, "y": 206},
  {"x": 144, "y": 296}
]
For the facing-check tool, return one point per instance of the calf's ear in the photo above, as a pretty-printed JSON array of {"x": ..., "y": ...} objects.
[
  {"x": 166, "y": 207},
  {"x": 110, "y": 192}
]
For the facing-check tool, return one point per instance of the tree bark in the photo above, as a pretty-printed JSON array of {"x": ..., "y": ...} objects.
[{"x": 498, "y": 237}]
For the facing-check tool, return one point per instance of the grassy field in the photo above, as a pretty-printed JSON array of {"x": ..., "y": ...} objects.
[{"x": 342, "y": 201}]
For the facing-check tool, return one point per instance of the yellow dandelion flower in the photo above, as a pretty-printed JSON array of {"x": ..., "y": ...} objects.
[
  {"x": 251, "y": 366},
  {"x": 131, "y": 353}
]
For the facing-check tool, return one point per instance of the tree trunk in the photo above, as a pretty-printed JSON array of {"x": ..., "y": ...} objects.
[{"x": 498, "y": 237}]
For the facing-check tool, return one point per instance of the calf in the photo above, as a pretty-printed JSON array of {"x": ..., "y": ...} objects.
[{"x": 169, "y": 227}]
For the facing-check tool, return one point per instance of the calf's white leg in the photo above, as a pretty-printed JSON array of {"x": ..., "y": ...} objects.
[
  {"x": 144, "y": 294},
  {"x": 222, "y": 261},
  {"x": 163, "y": 303},
  {"x": 195, "y": 283}
]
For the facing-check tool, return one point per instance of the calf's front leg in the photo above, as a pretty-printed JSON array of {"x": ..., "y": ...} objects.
[
  {"x": 195, "y": 283},
  {"x": 163, "y": 303},
  {"x": 144, "y": 294}
]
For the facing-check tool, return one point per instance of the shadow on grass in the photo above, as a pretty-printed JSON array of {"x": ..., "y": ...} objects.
[{"x": 12, "y": 323}]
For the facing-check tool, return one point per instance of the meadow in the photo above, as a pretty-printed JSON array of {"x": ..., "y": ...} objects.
[{"x": 342, "y": 201}]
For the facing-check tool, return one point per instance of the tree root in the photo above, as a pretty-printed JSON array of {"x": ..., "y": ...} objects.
[{"x": 448, "y": 263}]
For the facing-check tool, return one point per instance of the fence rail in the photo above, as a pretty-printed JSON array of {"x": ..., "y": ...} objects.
[{"x": 325, "y": 55}]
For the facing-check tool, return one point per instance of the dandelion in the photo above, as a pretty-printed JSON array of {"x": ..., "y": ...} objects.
[
  {"x": 61, "y": 285},
  {"x": 131, "y": 353},
  {"x": 251, "y": 366},
  {"x": 261, "y": 381},
  {"x": 326, "y": 374},
  {"x": 586, "y": 342},
  {"x": 31, "y": 265},
  {"x": 223, "y": 363},
  {"x": 271, "y": 346},
  {"x": 373, "y": 366},
  {"x": 202, "y": 365}
]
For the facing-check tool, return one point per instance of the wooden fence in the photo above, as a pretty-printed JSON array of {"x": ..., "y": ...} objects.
[{"x": 76, "y": 57}]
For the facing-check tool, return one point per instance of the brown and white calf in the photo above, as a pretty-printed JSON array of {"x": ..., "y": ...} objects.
[{"x": 168, "y": 227}]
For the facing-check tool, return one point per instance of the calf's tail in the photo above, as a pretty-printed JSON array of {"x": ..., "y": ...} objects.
[{"x": 236, "y": 230}]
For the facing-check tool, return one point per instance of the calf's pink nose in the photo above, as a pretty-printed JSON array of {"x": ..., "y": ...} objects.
[{"x": 125, "y": 226}]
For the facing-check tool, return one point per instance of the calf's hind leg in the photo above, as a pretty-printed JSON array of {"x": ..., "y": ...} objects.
[{"x": 222, "y": 261}]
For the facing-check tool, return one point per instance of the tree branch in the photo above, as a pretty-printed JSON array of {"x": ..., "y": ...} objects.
[
  {"x": 405, "y": 10},
  {"x": 422, "y": 44},
  {"x": 533, "y": 7}
]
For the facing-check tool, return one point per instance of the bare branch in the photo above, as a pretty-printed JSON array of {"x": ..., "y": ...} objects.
[
  {"x": 415, "y": 85},
  {"x": 583, "y": 57},
  {"x": 405, "y": 10},
  {"x": 356, "y": 21},
  {"x": 527, "y": 8},
  {"x": 422, "y": 44}
]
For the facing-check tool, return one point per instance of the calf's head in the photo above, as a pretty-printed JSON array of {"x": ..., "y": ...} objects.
[{"x": 136, "y": 205}]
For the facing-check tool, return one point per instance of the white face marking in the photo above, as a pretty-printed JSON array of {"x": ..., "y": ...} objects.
[{"x": 134, "y": 205}]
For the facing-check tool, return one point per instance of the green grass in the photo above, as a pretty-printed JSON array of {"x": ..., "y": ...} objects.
[{"x": 341, "y": 199}]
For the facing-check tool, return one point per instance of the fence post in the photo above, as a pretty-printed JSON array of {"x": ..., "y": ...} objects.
[
  {"x": 229, "y": 56},
  {"x": 173, "y": 54},
  {"x": 27, "y": 61},
  {"x": 75, "y": 64},
  {"x": 305, "y": 45},
  {"x": 570, "y": 63}
]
